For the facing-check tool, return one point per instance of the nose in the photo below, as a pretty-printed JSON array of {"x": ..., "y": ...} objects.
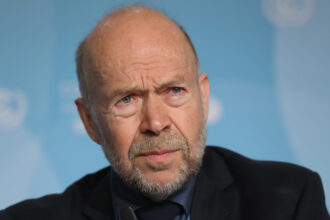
[{"x": 155, "y": 116}]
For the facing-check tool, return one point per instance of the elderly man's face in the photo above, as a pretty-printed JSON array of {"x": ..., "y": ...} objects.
[{"x": 149, "y": 106}]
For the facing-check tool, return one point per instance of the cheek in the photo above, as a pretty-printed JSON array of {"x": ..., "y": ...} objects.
[
  {"x": 188, "y": 121},
  {"x": 120, "y": 133}
]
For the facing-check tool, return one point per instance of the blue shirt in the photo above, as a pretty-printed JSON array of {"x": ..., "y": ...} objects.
[{"x": 122, "y": 195}]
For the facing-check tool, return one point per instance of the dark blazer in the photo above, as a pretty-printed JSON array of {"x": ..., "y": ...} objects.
[{"x": 229, "y": 186}]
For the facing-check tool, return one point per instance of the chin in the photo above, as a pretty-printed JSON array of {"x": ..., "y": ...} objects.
[{"x": 163, "y": 178}]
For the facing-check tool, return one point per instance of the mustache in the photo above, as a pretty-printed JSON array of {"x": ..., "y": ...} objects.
[{"x": 167, "y": 140}]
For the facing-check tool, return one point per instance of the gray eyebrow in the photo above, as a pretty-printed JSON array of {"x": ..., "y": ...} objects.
[
  {"x": 176, "y": 80},
  {"x": 125, "y": 90}
]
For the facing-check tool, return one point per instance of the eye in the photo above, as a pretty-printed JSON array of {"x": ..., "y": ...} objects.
[
  {"x": 176, "y": 90},
  {"x": 176, "y": 96},
  {"x": 126, "y": 99},
  {"x": 126, "y": 106}
]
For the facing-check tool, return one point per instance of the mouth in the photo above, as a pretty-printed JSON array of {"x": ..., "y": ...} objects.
[{"x": 158, "y": 155}]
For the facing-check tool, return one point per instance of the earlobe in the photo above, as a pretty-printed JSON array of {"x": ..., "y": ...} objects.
[
  {"x": 205, "y": 90},
  {"x": 87, "y": 120}
]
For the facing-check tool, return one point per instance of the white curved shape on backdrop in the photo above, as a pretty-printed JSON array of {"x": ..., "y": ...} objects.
[
  {"x": 284, "y": 13},
  {"x": 13, "y": 109},
  {"x": 215, "y": 110}
]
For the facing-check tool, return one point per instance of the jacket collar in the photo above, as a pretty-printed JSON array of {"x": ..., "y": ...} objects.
[
  {"x": 215, "y": 197},
  {"x": 99, "y": 204}
]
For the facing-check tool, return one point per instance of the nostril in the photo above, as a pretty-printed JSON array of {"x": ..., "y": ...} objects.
[{"x": 151, "y": 133}]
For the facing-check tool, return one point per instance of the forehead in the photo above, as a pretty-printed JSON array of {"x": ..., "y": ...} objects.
[
  {"x": 144, "y": 61},
  {"x": 116, "y": 43},
  {"x": 139, "y": 51},
  {"x": 153, "y": 74}
]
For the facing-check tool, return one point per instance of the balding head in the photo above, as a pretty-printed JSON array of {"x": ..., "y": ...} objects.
[{"x": 134, "y": 31}]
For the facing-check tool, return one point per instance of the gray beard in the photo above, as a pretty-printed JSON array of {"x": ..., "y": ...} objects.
[{"x": 134, "y": 178}]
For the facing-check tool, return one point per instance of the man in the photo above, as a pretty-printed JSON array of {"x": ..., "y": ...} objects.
[{"x": 144, "y": 101}]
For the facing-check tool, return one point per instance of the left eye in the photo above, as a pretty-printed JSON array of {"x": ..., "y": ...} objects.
[{"x": 176, "y": 90}]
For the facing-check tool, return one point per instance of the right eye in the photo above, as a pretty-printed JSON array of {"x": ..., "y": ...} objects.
[
  {"x": 126, "y": 106},
  {"x": 126, "y": 99}
]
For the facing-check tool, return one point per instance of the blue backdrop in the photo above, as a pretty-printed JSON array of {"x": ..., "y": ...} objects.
[{"x": 268, "y": 62}]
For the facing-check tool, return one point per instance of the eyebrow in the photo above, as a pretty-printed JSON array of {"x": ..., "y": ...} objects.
[
  {"x": 124, "y": 90},
  {"x": 175, "y": 81},
  {"x": 128, "y": 89}
]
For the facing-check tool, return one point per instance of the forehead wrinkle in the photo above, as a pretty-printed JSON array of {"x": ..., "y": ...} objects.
[
  {"x": 162, "y": 61},
  {"x": 151, "y": 68}
]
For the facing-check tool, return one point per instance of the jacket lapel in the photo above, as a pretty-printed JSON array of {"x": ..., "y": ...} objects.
[
  {"x": 99, "y": 205},
  {"x": 216, "y": 196}
]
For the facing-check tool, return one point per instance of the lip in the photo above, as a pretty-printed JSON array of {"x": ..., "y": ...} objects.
[{"x": 158, "y": 155}]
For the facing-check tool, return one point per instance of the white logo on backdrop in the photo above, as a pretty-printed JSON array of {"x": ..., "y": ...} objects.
[
  {"x": 215, "y": 110},
  {"x": 13, "y": 108},
  {"x": 288, "y": 12}
]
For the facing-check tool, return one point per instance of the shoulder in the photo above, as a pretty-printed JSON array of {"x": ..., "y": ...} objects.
[
  {"x": 278, "y": 187},
  {"x": 56, "y": 206},
  {"x": 249, "y": 170}
]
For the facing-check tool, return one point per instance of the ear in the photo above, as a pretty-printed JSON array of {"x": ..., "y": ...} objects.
[
  {"x": 205, "y": 91},
  {"x": 87, "y": 120}
]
